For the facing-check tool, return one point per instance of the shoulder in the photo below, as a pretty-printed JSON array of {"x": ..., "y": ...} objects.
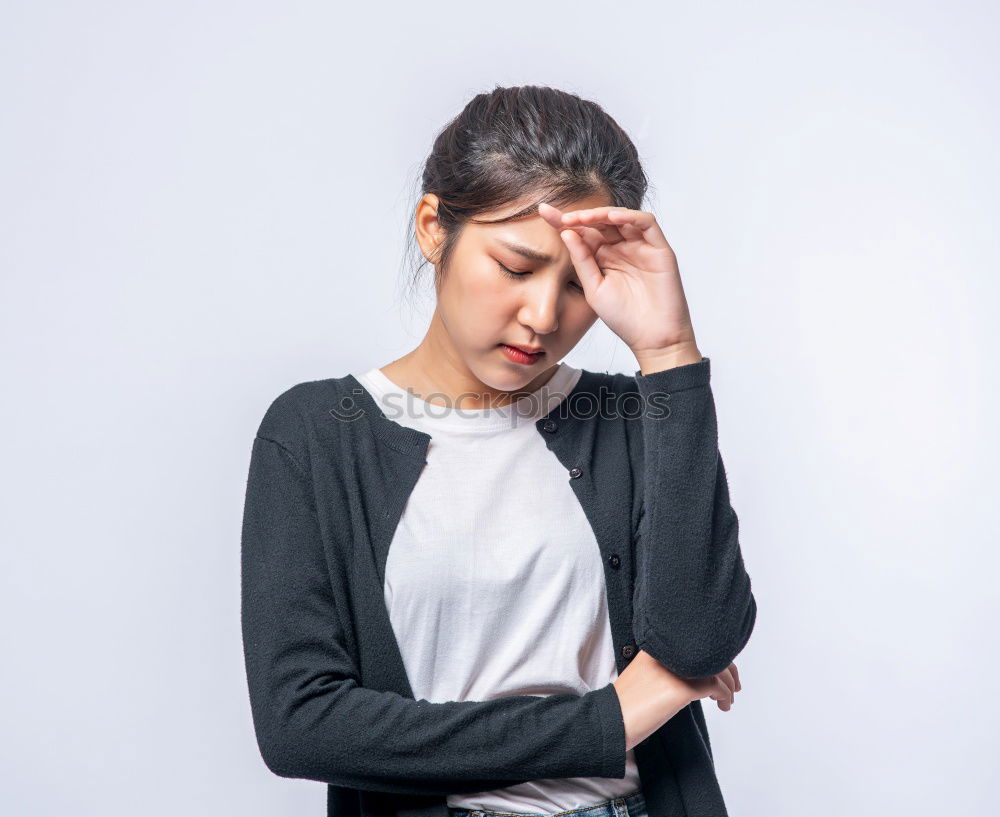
[{"x": 295, "y": 413}]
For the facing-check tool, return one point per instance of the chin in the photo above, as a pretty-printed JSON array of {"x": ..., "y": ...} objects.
[
  {"x": 515, "y": 381},
  {"x": 501, "y": 378}
]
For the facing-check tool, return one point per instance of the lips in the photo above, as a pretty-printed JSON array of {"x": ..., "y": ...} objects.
[
  {"x": 528, "y": 350},
  {"x": 516, "y": 354}
]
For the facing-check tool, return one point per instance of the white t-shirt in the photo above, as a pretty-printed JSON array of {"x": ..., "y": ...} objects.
[{"x": 494, "y": 580}]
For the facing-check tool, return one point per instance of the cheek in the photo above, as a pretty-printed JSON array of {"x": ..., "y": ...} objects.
[
  {"x": 579, "y": 316},
  {"x": 484, "y": 291},
  {"x": 488, "y": 283},
  {"x": 478, "y": 301}
]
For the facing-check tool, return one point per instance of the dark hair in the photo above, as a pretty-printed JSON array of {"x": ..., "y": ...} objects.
[{"x": 518, "y": 141}]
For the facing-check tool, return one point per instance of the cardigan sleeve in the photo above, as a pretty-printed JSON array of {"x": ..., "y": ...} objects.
[
  {"x": 693, "y": 609},
  {"x": 313, "y": 719}
]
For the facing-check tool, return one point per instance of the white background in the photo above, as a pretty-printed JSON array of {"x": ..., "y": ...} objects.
[{"x": 202, "y": 204}]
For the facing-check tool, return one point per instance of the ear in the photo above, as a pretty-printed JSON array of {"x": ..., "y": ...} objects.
[{"x": 428, "y": 229}]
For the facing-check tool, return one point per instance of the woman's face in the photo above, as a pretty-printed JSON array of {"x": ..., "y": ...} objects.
[{"x": 481, "y": 306}]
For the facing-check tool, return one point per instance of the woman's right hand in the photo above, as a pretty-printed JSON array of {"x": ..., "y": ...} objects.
[{"x": 650, "y": 694}]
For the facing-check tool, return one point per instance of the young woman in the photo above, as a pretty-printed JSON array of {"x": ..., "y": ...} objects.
[{"x": 477, "y": 580}]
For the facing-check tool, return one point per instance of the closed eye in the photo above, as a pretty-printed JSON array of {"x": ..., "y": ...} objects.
[
  {"x": 519, "y": 274},
  {"x": 513, "y": 273}
]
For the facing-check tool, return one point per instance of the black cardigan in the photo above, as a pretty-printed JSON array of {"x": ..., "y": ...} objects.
[{"x": 328, "y": 479}]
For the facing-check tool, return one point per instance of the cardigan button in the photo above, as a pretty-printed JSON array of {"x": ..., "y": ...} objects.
[
  {"x": 614, "y": 560},
  {"x": 550, "y": 426},
  {"x": 628, "y": 650},
  {"x": 575, "y": 472}
]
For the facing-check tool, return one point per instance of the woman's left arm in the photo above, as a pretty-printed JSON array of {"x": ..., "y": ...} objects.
[{"x": 693, "y": 609}]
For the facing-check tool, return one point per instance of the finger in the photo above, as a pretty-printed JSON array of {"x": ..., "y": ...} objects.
[
  {"x": 590, "y": 273},
  {"x": 727, "y": 684},
  {"x": 551, "y": 214},
  {"x": 644, "y": 222},
  {"x": 736, "y": 675},
  {"x": 594, "y": 237},
  {"x": 727, "y": 678},
  {"x": 631, "y": 232},
  {"x": 608, "y": 232},
  {"x": 729, "y": 695},
  {"x": 723, "y": 696}
]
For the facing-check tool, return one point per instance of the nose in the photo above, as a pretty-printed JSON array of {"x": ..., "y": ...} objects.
[{"x": 540, "y": 309}]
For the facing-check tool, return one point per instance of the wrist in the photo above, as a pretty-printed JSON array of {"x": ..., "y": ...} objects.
[{"x": 669, "y": 357}]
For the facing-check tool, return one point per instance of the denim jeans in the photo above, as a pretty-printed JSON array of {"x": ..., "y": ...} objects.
[{"x": 631, "y": 805}]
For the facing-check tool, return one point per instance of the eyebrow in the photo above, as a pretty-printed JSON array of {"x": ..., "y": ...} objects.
[{"x": 527, "y": 252}]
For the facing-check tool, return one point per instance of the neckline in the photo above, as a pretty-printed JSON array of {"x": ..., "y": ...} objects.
[
  {"x": 428, "y": 416},
  {"x": 413, "y": 442}
]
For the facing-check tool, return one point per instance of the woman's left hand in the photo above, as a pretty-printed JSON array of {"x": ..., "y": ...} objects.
[{"x": 630, "y": 277}]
